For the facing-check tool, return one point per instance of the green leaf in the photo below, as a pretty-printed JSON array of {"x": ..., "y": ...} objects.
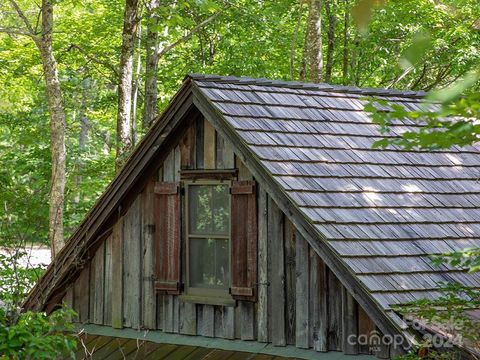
[
  {"x": 362, "y": 12},
  {"x": 415, "y": 52},
  {"x": 454, "y": 92}
]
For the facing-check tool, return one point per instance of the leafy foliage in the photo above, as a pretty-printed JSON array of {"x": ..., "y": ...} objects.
[
  {"x": 37, "y": 336},
  {"x": 467, "y": 258},
  {"x": 29, "y": 335}
]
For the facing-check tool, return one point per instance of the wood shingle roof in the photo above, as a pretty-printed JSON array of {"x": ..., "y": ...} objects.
[
  {"x": 374, "y": 216},
  {"x": 384, "y": 212}
]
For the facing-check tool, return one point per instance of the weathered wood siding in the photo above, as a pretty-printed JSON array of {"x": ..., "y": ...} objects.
[{"x": 300, "y": 301}]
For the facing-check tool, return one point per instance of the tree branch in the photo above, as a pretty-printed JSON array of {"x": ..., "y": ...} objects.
[
  {"x": 15, "y": 31},
  {"x": 193, "y": 31},
  {"x": 23, "y": 17},
  {"x": 94, "y": 58}
]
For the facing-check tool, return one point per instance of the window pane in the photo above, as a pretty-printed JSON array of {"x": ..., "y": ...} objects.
[
  {"x": 209, "y": 209},
  {"x": 209, "y": 263}
]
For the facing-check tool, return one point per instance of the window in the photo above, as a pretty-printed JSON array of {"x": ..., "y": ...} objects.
[{"x": 208, "y": 238}]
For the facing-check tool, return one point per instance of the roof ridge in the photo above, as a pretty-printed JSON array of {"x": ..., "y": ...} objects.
[{"x": 244, "y": 80}]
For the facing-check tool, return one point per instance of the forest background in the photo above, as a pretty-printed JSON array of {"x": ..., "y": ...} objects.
[
  {"x": 407, "y": 44},
  {"x": 82, "y": 81}
]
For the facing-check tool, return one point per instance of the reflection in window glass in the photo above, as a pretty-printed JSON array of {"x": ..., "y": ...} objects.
[{"x": 209, "y": 209}]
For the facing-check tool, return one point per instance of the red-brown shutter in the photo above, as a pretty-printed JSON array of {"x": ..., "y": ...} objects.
[
  {"x": 244, "y": 241},
  {"x": 167, "y": 237}
]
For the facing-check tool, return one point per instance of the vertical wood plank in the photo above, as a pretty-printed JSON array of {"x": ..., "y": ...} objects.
[
  {"x": 199, "y": 143},
  {"x": 228, "y": 156},
  {"x": 381, "y": 350},
  {"x": 159, "y": 298},
  {"x": 243, "y": 172},
  {"x": 247, "y": 310},
  {"x": 148, "y": 252},
  {"x": 237, "y": 322},
  {"x": 262, "y": 305},
  {"x": 277, "y": 273},
  {"x": 335, "y": 336},
  {"x": 91, "y": 284},
  {"x": 366, "y": 327},
  {"x": 228, "y": 319},
  {"x": 187, "y": 148},
  {"x": 160, "y": 174},
  {"x": 170, "y": 304},
  {"x": 81, "y": 295},
  {"x": 176, "y": 314},
  {"x": 177, "y": 164},
  {"x": 290, "y": 282},
  {"x": 98, "y": 284},
  {"x": 68, "y": 298},
  {"x": 209, "y": 145},
  {"x": 188, "y": 318},
  {"x": 169, "y": 167},
  {"x": 218, "y": 321},
  {"x": 168, "y": 313},
  {"x": 350, "y": 323},
  {"x": 220, "y": 144},
  {"x": 225, "y": 159},
  {"x": 117, "y": 275},
  {"x": 318, "y": 303},
  {"x": 302, "y": 292},
  {"x": 132, "y": 267},
  {"x": 107, "y": 307},
  {"x": 205, "y": 320}
]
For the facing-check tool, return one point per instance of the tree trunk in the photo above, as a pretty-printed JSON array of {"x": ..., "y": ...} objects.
[
  {"x": 304, "y": 63},
  {"x": 346, "y": 38},
  {"x": 314, "y": 41},
  {"x": 124, "y": 129},
  {"x": 57, "y": 129},
  {"x": 136, "y": 87},
  {"x": 355, "y": 66},
  {"x": 293, "y": 46},
  {"x": 330, "y": 10},
  {"x": 82, "y": 142},
  {"x": 151, "y": 65}
]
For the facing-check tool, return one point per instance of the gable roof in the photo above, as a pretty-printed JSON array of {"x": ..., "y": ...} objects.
[
  {"x": 383, "y": 212},
  {"x": 373, "y": 215}
]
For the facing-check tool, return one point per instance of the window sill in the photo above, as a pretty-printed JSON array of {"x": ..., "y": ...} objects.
[{"x": 206, "y": 300}]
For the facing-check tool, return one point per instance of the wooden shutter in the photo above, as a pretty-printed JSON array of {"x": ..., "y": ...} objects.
[
  {"x": 244, "y": 241},
  {"x": 167, "y": 237}
]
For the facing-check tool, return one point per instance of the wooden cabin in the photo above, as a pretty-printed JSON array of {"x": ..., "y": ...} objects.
[{"x": 255, "y": 217}]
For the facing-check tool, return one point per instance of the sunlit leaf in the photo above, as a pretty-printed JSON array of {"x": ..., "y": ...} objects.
[
  {"x": 455, "y": 91},
  {"x": 415, "y": 52},
  {"x": 362, "y": 12}
]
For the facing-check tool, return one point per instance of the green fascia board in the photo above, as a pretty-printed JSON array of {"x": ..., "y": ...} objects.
[{"x": 160, "y": 337}]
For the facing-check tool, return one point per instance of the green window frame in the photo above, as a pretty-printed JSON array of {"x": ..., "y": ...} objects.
[{"x": 208, "y": 238}]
